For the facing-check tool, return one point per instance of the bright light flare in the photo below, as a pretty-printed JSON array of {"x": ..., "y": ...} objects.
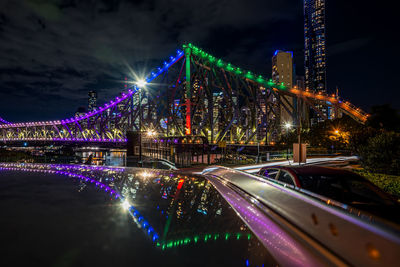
[
  {"x": 145, "y": 174},
  {"x": 288, "y": 125},
  {"x": 141, "y": 83},
  {"x": 150, "y": 133},
  {"x": 126, "y": 205}
]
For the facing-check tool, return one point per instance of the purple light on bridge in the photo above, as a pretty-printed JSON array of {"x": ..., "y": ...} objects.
[
  {"x": 4, "y": 121},
  {"x": 106, "y": 106},
  {"x": 66, "y": 139}
]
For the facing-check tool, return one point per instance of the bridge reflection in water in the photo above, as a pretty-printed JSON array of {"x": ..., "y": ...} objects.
[
  {"x": 173, "y": 211},
  {"x": 190, "y": 213}
]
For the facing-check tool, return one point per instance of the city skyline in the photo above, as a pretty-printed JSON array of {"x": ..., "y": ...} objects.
[{"x": 39, "y": 83}]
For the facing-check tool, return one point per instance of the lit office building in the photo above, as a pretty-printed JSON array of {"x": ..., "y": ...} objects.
[
  {"x": 283, "y": 72},
  {"x": 92, "y": 102},
  {"x": 315, "y": 50}
]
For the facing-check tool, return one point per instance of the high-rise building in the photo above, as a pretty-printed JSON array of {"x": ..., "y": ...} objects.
[
  {"x": 92, "y": 102},
  {"x": 315, "y": 44},
  {"x": 218, "y": 107},
  {"x": 300, "y": 82},
  {"x": 80, "y": 112},
  {"x": 283, "y": 72},
  {"x": 315, "y": 49}
]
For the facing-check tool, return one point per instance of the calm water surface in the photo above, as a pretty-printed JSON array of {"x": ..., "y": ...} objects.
[{"x": 66, "y": 215}]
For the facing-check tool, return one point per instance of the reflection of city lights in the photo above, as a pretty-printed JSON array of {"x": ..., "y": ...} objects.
[
  {"x": 145, "y": 174},
  {"x": 125, "y": 204}
]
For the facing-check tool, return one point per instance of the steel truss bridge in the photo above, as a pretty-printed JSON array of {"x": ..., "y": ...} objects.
[{"x": 193, "y": 93}]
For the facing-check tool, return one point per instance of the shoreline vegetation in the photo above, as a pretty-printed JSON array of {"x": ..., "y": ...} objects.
[{"x": 387, "y": 182}]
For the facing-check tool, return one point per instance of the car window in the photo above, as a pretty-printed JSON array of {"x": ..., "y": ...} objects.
[
  {"x": 345, "y": 188},
  {"x": 285, "y": 177},
  {"x": 328, "y": 186},
  {"x": 362, "y": 191},
  {"x": 271, "y": 173}
]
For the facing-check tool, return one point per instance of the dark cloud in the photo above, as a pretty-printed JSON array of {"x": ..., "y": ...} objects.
[
  {"x": 348, "y": 46},
  {"x": 52, "y": 52}
]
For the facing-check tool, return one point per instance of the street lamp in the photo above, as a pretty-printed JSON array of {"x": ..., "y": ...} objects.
[
  {"x": 140, "y": 84},
  {"x": 150, "y": 133},
  {"x": 287, "y": 126}
]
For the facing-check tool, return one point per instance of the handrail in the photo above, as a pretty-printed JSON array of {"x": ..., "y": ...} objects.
[{"x": 352, "y": 238}]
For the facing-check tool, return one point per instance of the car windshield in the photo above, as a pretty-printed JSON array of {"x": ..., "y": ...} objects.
[
  {"x": 347, "y": 188},
  {"x": 120, "y": 217}
]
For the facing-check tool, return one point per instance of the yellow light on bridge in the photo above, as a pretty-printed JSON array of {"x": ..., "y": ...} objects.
[{"x": 150, "y": 133}]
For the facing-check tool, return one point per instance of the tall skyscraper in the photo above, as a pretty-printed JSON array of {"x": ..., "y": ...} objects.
[
  {"x": 315, "y": 44},
  {"x": 315, "y": 49},
  {"x": 283, "y": 72},
  {"x": 92, "y": 102}
]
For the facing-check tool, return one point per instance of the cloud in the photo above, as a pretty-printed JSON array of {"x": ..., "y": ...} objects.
[
  {"x": 348, "y": 46},
  {"x": 65, "y": 47}
]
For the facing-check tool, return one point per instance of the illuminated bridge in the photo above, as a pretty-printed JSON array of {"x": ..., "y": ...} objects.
[{"x": 193, "y": 93}]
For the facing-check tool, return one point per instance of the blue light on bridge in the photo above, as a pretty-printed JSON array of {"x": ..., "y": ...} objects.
[{"x": 165, "y": 67}]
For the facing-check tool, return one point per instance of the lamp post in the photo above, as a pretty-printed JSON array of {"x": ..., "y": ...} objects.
[
  {"x": 299, "y": 141},
  {"x": 140, "y": 84},
  {"x": 288, "y": 126}
]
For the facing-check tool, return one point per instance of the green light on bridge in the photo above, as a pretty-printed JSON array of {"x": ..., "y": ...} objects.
[{"x": 230, "y": 68}]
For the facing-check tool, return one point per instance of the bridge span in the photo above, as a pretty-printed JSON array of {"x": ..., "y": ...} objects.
[{"x": 192, "y": 93}]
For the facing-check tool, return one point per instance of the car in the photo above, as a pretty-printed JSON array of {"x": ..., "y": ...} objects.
[{"x": 337, "y": 184}]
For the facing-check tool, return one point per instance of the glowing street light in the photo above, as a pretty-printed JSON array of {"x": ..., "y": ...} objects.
[
  {"x": 141, "y": 83},
  {"x": 151, "y": 133},
  {"x": 288, "y": 125}
]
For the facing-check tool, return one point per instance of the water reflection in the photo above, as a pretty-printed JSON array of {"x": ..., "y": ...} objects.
[{"x": 176, "y": 212}]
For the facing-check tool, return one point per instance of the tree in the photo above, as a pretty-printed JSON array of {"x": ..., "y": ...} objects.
[
  {"x": 381, "y": 153},
  {"x": 384, "y": 117}
]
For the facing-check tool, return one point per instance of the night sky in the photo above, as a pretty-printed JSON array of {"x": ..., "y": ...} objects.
[{"x": 52, "y": 52}]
